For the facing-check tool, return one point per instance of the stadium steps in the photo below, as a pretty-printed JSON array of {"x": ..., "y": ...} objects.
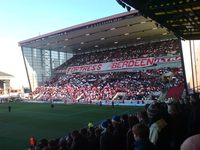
[{"x": 37, "y": 96}]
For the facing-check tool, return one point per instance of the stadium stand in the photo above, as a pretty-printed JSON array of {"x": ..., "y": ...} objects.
[
  {"x": 105, "y": 85},
  {"x": 142, "y": 82},
  {"x": 157, "y": 49}
]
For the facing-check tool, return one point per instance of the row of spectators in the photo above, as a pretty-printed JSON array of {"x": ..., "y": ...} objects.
[
  {"x": 159, "y": 126},
  {"x": 104, "y": 86},
  {"x": 158, "y": 49}
]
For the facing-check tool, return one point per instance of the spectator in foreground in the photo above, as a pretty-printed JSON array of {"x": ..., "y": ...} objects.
[
  {"x": 106, "y": 138},
  {"x": 129, "y": 135},
  {"x": 141, "y": 136},
  {"x": 119, "y": 134},
  {"x": 177, "y": 126},
  {"x": 191, "y": 143},
  {"x": 142, "y": 117},
  {"x": 78, "y": 142},
  {"x": 159, "y": 128}
]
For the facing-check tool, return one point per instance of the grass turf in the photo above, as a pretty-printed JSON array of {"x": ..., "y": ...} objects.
[{"x": 42, "y": 121}]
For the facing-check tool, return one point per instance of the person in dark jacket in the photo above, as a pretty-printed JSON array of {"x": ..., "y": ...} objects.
[
  {"x": 119, "y": 134},
  {"x": 78, "y": 142},
  {"x": 9, "y": 108},
  {"x": 177, "y": 126},
  {"x": 160, "y": 132},
  {"x": 141, "y": 136},
  {"x": 106, "y": 138},
  {"x": 142, "y": 117},
  {"x": 93, "y": 141},
  {"x": 129, "y": 135},
  {"x": 113, "y": 104}
]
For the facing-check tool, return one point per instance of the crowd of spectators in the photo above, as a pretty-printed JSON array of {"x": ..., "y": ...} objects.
[
  {"x": 157, "y": 49},
  {"x": 160, "y": 126},
  {"x": 136, "y": 85},
  {"x": 104, "y": 86}
]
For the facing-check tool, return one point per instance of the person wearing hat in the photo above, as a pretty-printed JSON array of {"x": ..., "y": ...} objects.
[
  {"x": 90, "y": 125},
  {"x": 93, "y": 140},
  {"x": 119, "y": 133},
  {"x": 159, "y": 128},
  {"x": 106, "y": 138},
  {"x": 116, "y": 120}
]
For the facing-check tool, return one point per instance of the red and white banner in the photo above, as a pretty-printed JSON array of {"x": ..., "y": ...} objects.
[
  {"x": 167, "y": 59},
  {"x": 117, "y": 65}
]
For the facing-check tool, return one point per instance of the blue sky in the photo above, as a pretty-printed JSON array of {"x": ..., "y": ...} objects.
[
  {"x": 27, "y": 18},
  {"x": 23, "y": 19}
]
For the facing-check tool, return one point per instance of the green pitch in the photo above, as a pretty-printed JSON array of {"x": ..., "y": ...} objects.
[{"x": 42, "y": 121}]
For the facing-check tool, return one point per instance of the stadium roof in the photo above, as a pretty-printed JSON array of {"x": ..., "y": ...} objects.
[
  {"x": 180, "y": 16},
  {"x": 4, "y": 75},
  {"x": 120, "y": 29}
]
